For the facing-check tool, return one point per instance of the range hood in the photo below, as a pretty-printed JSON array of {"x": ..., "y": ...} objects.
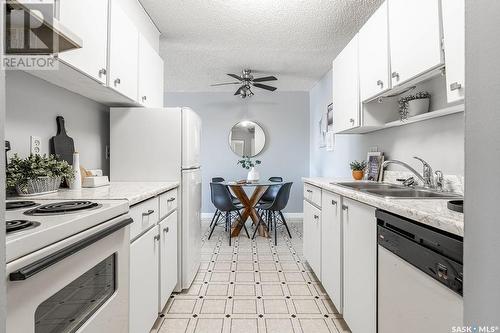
[{"x": 51, "y": 36}]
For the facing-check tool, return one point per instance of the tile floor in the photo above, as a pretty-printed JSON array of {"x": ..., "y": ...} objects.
[{"x": 252, "y": 286}]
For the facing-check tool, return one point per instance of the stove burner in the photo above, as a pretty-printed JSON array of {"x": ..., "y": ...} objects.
[
  {"x": 18, "y": 225},
  {"x": 64, "y": 207},
  {"x": 11, "y": 205}
]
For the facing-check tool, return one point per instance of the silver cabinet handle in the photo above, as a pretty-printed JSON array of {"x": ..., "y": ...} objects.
[
  {"x": 117, "y": 81},
  {"x": 149, "y": 212},
  {"x": 395, "y": 75},
  {"x": 165, "y": 229},
  {"x": 334, "y": 202},
  {"x": 157, "y": 237},
  {"x": 102, "y": 72},
  {"x": 380, "y": 83},
  {"x": 344, "y": 207},
  {"x": 171, "y": 199},
  {"x": 455, "y": 86}
]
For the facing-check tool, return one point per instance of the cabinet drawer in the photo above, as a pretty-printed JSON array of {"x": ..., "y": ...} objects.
[
  {"x": 144, "y": 214},
  {"x": 168, "y": 202},
  {"x": 312, "y": 194}
]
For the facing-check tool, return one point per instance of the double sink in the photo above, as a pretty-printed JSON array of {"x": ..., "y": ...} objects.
[{"x": 391, "y": 191}]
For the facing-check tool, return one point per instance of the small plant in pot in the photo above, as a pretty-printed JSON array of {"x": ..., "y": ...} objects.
[
  {"x": 248, "y": 164},
  {"x": 358, "y": 169},
  {"x": 413, "y": 105},
  {"x": 37, "y": 174}
]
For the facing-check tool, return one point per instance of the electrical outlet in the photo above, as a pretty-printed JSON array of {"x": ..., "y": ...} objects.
[
  {"x": 373, "y": 149},
  {"x": 35, "y": 145}
]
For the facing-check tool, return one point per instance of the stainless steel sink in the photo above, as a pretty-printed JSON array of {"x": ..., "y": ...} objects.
[{"x": 391, "y": 191}]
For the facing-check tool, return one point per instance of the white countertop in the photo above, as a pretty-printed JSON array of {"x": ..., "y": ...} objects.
[
  {"x": 432, "y": 212},
  {"x": 134, "y": 192}
]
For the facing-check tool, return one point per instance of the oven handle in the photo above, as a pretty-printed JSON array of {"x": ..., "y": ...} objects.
[{"x": 44, "y": 263}]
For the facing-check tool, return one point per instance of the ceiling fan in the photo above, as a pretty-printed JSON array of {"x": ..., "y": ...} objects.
[{"x": 247, "y": 81}]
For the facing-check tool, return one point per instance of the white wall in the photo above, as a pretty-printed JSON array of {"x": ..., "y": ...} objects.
[
  {"x": 32, "y": 108},
  {"x": 282, "y": 115},
  {"x": 439, "y": 141},
  {"x": 482, "y": 148}
]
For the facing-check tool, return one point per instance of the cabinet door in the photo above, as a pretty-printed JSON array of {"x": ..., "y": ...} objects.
[
  {"x": 89, "y": 20},
  {"x": 150, "y": 75},
  {"x": 346, "y": 103},
  {"x": 454, "y": 48},
  {"x": 360, "y": 266},
  {"x": 168, "y": 258},
  {"x": 123, "y": 48},
  {"x": 144, "y": 259},
  {"x": 331, "y": 247},
  {"x": 374, "y": 76},
  {"x": 312, "y": 237},
  {"x": 415, "y": 38}
]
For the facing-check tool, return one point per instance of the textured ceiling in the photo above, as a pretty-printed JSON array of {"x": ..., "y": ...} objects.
[{"x": 294, "y": 40}]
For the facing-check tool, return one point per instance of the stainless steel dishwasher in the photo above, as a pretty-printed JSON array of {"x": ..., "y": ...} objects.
[{"x": 419, "y": 277}]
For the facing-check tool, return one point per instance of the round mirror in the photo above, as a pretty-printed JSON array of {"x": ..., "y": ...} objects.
[{"x": 247, "y": 138}]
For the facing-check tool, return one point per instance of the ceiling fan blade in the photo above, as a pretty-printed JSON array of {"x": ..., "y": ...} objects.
[
  {"x": 236, "y": 77},
  {"x": 223, "y": 84},
  {"x": 264, "y": 86},
  {"x": 266, "y": 78}
]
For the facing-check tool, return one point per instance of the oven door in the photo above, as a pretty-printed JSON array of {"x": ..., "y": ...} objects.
[{"x": 80, "y": 284}]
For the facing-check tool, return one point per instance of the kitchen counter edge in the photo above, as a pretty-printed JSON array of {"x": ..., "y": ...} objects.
[{"x": 431, "y": 212}]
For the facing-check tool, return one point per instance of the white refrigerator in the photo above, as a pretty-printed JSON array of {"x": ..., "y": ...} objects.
[{"x": 163, "y": 144}]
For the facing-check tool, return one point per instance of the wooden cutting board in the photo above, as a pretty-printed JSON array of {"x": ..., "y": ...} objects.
[{"x": 62, "y": 145}]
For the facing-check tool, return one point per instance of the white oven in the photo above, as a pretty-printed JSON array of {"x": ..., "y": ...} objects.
[{"x": 79, "y": 284}]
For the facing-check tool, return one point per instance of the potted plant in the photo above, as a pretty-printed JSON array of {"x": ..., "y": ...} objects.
[
  {"x": 358, "y": 169},
  {"x": 248, "y": 164},
  {"x": 413, "y": 105},
  {"x": 37, "y": 174}
]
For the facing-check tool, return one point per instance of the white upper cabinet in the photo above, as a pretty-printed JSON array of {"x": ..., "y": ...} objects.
[
  {"x": 374, "y": 72},
  {"x": 124, "y": 53},
  {"x": 150, "y": 92},
  {"x": 414, "y": 38},
  {"x": 346, "y": 102},
  {"x": 454, "y": 45},
  {"x": 89, "y": 20}
]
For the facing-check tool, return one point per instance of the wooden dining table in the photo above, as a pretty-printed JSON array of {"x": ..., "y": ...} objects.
[{"x": 249, "y": 204}]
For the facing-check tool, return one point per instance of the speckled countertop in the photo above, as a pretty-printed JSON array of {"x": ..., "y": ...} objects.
[
  {"x": 134, "y": 192},
  {"x": 432, "y": 212}
]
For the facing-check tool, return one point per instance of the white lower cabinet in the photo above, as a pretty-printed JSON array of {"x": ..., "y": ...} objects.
[
  {"x": 331, "y": 247},
  {"x": 360, "y": 266},
  {"x": 168, "y": 258},
  {"x": 144, "y": 284},
  {"x": 312, "y": 237}
]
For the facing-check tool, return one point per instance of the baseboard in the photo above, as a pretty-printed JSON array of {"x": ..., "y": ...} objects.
[{"x": 291, "y": 216}]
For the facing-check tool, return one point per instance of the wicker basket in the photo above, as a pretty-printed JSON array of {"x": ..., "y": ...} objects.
[{"x": 40, "y": 185}]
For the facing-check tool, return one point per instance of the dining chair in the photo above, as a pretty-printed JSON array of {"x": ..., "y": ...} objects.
[
  {"x": 275, "y": 208},
  {"x": 223, "y": 202},
  {"x": 271, "y": 191}
]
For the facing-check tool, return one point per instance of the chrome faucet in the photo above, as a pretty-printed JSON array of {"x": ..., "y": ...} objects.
[
  {"x": 427, "y": 173},
  {"x": 427, "y": 177}
]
